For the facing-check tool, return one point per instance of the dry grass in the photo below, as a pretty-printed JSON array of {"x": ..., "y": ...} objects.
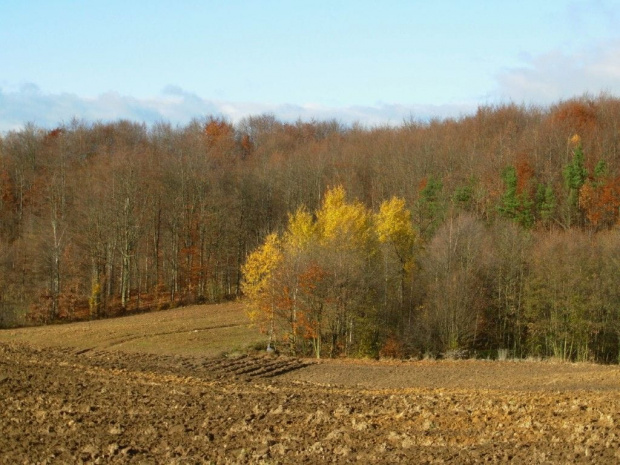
[{"x": 205, "y": 330}]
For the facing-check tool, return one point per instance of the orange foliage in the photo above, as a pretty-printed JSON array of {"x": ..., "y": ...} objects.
[
  {"x": 305, "y": 327},
  {"x": 217, "y": 129},
  {"x": 6, "y": 190},
  {"x": 525, "y": 173},
  {"x": 392, "y": 348},
  {"x": 54, "y": 134},
  {"x": 311, "y": 278},
  {"x": 246, "y": 146},
  {"x": 601, "y": 203},
  {"x": 576, "y": 115},
  {"x": 71, "y": 305},
  {"x": 308, "y": 319}
]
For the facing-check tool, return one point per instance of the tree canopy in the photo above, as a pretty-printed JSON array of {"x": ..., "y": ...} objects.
[{"x": 437, "y": 237}]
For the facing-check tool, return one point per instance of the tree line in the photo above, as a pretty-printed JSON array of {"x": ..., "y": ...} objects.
[{"x": 492, "y": 231}]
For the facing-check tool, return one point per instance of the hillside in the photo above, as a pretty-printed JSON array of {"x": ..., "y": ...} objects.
[
  {"x": 512, "y": 213},
  {"x": 204, "y": 330}
]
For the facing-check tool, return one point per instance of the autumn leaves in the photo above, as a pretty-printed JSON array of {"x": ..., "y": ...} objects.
[
  {"x": 533, "y": 281},
  {"x": 327, "y": 284}
]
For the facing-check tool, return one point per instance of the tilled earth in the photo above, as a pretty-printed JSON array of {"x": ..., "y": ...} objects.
[{"x": 68, "y": 406}]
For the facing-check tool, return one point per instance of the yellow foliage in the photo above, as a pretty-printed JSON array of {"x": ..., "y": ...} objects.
[
  {"x": 258, "y": 273},
  {"x": 319, "y": 267},
  {"x": 394, "y": 222},
  {"x": 394, "y": 227},
  {"x": 575, "y": 140},
  {"x": 344, "y": 225},
  {"x": 301, "y": 229}
]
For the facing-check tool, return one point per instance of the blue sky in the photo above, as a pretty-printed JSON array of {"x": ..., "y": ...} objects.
[{"x": 374, "y": 62}]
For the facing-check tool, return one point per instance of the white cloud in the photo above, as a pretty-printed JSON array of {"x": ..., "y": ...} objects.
[
  {"x": 30, "y": 104},
  {"x": 557, "y": 75}
]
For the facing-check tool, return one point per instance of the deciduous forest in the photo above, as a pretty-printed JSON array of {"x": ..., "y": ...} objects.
[{"x": 493, "y": 233}]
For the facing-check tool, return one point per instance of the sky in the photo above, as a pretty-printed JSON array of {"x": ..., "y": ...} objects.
[{"x": 356, "y": 61}]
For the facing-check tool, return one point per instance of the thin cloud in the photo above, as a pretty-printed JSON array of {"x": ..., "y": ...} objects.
[
  {"x": 558, "y": 75},
  {"x": 29, "y": 104}
]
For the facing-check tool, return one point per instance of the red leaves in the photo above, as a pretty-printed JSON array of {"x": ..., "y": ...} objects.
[
  {"x": 53, "y": 135},
  {"x": 312, "y": 277}
]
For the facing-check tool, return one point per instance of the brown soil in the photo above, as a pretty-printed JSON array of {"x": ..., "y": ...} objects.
[
  {"x": 100, "y": 406},
  {"x": 518, "y": 375}
]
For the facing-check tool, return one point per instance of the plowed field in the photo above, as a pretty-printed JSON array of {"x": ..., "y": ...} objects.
[{"x": 95, "y": 402}]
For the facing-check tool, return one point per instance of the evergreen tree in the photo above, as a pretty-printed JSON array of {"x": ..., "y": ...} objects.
[
  {"x": 575, "y": 176},
  {"x": 545, "y": 203},
  {"x": 513, "y": 204}
]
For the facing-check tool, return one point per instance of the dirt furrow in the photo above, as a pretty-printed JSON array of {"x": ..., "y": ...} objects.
[{"x": 64, "y": 407}]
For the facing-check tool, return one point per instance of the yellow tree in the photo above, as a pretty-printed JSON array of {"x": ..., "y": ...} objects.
[
  {"x": 348, "y": 248},
  {"x": 394, "y": 228},
  {"x": 259, "y": 283},
  {"x": 300, "y": 235},
  {"x": 322, "y": 280},
  {"x": 301, "y": 231},
  {"x": 345, "y": 225},
  {"x": 397, "y": 238}
]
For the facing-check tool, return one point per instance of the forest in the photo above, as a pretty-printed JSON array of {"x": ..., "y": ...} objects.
[{"x": 490, "y": 235}]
